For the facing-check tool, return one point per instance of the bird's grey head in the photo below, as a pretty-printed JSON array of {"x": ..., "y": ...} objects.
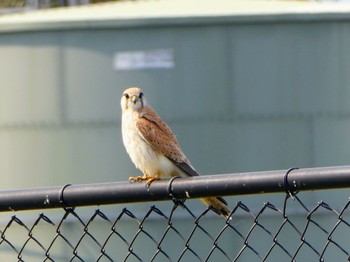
[{"x": 133, "y": 99}]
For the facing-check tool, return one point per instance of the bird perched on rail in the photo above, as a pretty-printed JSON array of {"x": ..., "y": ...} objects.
[{"x": 153, "y": 148}]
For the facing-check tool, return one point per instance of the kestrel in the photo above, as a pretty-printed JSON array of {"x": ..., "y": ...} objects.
[{"x": 153, "y": 147}]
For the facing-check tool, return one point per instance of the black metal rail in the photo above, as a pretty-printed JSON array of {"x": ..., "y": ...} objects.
[{"x": 291, "y": 180}]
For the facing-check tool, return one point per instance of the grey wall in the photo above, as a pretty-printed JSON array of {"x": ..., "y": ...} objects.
[{"x": 240, "y": 98}]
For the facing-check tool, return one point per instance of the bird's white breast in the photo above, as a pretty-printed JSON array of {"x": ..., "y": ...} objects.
[{"x": 141, "y": 153}]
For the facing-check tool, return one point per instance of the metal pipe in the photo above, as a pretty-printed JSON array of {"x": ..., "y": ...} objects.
[{"x": 181, "y": 188}]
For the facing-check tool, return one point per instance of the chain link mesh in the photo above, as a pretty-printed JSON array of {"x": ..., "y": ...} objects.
[{"x": 270, "y": 233}]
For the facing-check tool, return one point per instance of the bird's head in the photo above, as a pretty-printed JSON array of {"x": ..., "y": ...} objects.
[{"x": 133, "y": 99}]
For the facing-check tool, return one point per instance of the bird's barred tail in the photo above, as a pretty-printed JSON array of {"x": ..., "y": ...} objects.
[{"x": 218, "y": 205}]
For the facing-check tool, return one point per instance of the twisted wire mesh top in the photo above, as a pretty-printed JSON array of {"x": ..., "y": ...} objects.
[{"x": 269, "y": 234}]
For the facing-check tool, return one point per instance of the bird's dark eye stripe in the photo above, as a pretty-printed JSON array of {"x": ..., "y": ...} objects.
[
  {"x": 141, "y": 95},
  {"x": 126, "y": 95}
]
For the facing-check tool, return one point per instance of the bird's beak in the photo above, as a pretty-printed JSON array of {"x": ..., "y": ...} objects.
[{"x": 134, "y": 99}]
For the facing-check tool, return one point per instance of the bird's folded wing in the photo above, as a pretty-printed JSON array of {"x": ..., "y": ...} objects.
[
  {"x": 156, "y": 133},
  {"x": 186, "y": 168}
]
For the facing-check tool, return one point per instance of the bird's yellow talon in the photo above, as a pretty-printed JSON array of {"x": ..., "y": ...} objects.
[
  {"x": 148, "y": 179},
  {"x": 132, "y": 179},
  {"x": 137, "y": 178}
]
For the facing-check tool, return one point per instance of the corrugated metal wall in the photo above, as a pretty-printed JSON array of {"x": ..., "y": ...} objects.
[{"x": 256, "y": 97}]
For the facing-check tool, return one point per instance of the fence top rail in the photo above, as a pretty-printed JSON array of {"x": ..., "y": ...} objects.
[{"x": 291, "y": 180}]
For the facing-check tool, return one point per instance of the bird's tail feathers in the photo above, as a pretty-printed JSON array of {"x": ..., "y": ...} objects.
[{"x": 218, "y": 205}]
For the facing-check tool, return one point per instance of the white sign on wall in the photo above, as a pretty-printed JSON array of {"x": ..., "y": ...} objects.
[{"x": 144, "y": 59}]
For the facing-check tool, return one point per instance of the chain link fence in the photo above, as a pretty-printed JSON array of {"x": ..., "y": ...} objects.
[{"x": 285, "y": 228}]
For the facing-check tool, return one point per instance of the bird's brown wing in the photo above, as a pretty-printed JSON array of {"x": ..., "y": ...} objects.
[
  {"x": 187, "y": 168},
  {"x": 154, "y": 130}
]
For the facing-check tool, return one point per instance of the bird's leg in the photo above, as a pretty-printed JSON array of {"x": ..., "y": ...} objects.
[
  {"x": 150, "y": 179},
  {"x": 138, "y": 178},
  {"x": 145, "y": 177}
]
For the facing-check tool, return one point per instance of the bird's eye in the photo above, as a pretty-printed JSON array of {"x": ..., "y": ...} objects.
[
  {"x": 126, "y": 96},
  {"x": 141, "y": 95}
]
